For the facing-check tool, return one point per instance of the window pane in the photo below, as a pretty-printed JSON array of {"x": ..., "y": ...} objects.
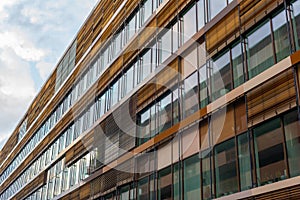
[
  {"x": 203, "y": 86},
  {"x": 296, "y": 22},
  {"x": 292, "y": 134},
  {"x": 191, "y": 94},
  {"x": 175, "y": 35},
  {"x": 260, "y": 51},
  {"x": 237, "y": 65},
  {"x": 216, "y": 7},
  {"x": 206, "y": 174},
  {"x": 225, "y": 165},
  {"x": 146, "y": 11},
  {"x": 201, "y": 14},
  {"x": 176, "y": 184},
  {"x": 144, "y": 126},
  {"x": 166, "y": 48},
  {"x": 244, "y": 162},
  {"x": 165, "y": 184},
  {"x": 191, "y": 174},
  {"x": 221, "y": 77},
  {"x": 165, "y": 113},
  {"x": 142, "y": 193},
  {"x": 129, "y": 80},
  {"x": 281, "y": 37},
  {"x": 269, "y": 155},
  {"x": 146, "y": 64},
  {"x": 189, "y": 28},
  {"x": 115, "y": 93},
  {"x": 124, "y": 192}
]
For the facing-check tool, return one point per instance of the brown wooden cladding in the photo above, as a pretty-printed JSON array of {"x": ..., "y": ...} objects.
[
  {"x": 32, "y": 186},
  {"x": 271, "y": 98},
  {"x": 237, "y": 21}
]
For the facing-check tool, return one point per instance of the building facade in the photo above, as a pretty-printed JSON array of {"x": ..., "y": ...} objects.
[{"x": 165, "y": 99}]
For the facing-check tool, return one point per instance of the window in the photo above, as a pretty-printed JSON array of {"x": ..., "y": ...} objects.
[
  {"x": 146, "y": 64},
  {"x": 144, "y": 126},
  {"x": 176, "y": 182},
  {"x": 191, "y": 94},
  {"x": 221, "y": 77},
  {"x": 281, "y": 36},
  {"x": 260, "y": 51},
  {"x": 237, "y": 65},
  {"x": 269, "y": 155},
  {"x": 165, "y": 46},
  {"x": 146, "y": 11},
  {"x": 175, "y": 37},
  {"x": 207, "y": 175},
  {"x": 165, "y": 113},
  {"x": 142, "y": 193},
  {"x": 225, "y": 166},
  {"x": 189, "y": 27},
  {"x": 244, "y": 162},
  {"x": 124, "y": 192},
  {"x": 200, "y": 13},
  {"x": 296, "y": 22},
  {"x": 203, "y": 86},
  {"x": 292, "y": 134},
  {"x": 216, "y": 7},
  {"x": 165, "y": 184},
  {"x": 129, "y": 80},
  {"x": 115, "y": 93},
  {"x": 191, "y": 181}
]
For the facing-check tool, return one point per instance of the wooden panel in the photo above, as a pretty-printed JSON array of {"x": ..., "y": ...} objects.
[
  {"x": 225, "y": 29},
  {"x": 272, "y": 98}
]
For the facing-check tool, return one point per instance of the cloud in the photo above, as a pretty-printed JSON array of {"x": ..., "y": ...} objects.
[{"x": 33, "y": 37}]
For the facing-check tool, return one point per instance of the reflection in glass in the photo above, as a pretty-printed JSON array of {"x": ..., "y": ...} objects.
[
  {"x": 203, "y": 86},
  {"x": 142, "y": 190},
  {"x": 221, "y": 77},
  {"x": 237, "y": 65},
  {"x": 189, "y": 27},
  {"x": 244, "y": 162},
  {"x": 292, "y": 134},
  {"x": 216, "y": 7},
  {"x": 225, "y": 166},
  {"x": 165, "y": 184},
  {"x": 281, "y": 38},
  {"x": 165, "y": 48},
  {"x": 269, "y": 155},
  {"x": 201, "y": 14},
  {"x": 260, "y": 51},
  {"x": 296, "y": 22},
  {"x": 191, "y": 181},
  {"x": 176, "y": 182},
  {"x": 191, "y": 94},
  {"x": 206, "y": 174}
]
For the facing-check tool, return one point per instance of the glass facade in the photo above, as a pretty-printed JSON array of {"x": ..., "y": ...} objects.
[{"x": 262, "y": 154}]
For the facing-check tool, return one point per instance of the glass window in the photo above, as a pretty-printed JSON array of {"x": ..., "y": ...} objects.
[
  {"x": 269, "y": 155},
  {"x": 203, "y": 86},
  {"x": 244, "y": 161},
  {"x": 165, "y": 47},
  {"x": 118, "y": 42},
  {"x": 201, "y": 14},
  {"x": 221, "y": 77},
  {"x": 176, "y": 182},
  {"x": 144, "y": 126},
  {"x": 292, "y": 134},
  {"x": 191, "y": 94},
  {"x": 225, "y": 166},
  {"x": 191, "y": 181},
  {"x": 165, "y": 184},
  {"x": 142, "y": 193},
  {"x": 175, "y": 37},
  {"x": 260, "y": 50},
  {"x": 207, "y": 175},
  {"x": 165, "y": 113},
  {"x": 189, "y": 27},
  {"x": 281, "y": 36},
  {"x": 115, "y": 93},
  {"x": 216, "y": 7},
  {"x": 237, "y": 65},
  {"x": 146, "y": 64},
  {"x": 296, "y": 22},
  {"x": 124, "y": 192},
  {"x": 146, "y": 11},
  {"x": 129, "y": 80}
]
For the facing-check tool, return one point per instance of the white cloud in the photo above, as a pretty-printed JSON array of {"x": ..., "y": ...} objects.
[
  {"x": 33, "y": 37},
  {"x": 44, "y": 69}
]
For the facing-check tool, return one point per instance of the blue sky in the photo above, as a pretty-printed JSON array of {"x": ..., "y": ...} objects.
[{"x": 33, "y": 36}]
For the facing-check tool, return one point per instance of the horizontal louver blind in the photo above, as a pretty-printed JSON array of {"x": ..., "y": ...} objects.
[{"x": 271, "y": 98}]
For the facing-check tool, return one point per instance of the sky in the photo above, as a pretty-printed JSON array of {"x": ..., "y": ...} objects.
[{"x": 34, "y": 34}]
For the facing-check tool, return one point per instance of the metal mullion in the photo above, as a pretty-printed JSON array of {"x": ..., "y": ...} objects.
[{"x": 285, "y": 149}]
